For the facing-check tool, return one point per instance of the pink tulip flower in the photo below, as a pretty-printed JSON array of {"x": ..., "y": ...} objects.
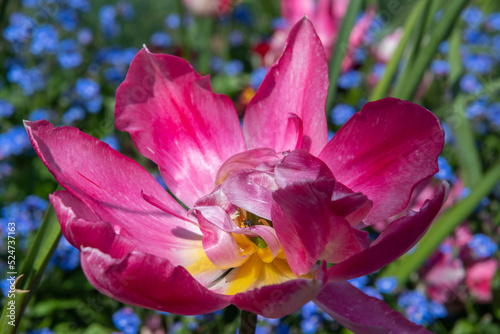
[
  {"x": 478, "y": 279},
  {"x": 207, "y": 7},
  {"x": 326, "y": 16},
  {"x": 266, "y": 202}
]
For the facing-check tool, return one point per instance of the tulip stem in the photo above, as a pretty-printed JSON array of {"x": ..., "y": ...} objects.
[{"x": 248, "y": 322}]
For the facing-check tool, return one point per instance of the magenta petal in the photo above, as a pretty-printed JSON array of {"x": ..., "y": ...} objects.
[
  {"x": 298, "y": 84},
  {"x": 178, "y": 122},
  {"x": 111, "y": 185},
  {"x": 294, "y": 10},
  {"x": 276, "y": 301},
  {"x": 251, "y": 190},
  {"x": 83, "y": 228},
  {"x": 399, "y": 237},
  {"x": 299, "y": 165},
  {"x": 219, "y": 245},
  {"x": 302, "y": 222},
  {"x": 148, "y": 281},
  {"x": 263, "y": 159},
  {"x": 361, "y": 313},
  {"x": 384, "y": 151}
]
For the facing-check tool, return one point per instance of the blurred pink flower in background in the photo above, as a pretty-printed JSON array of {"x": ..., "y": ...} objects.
[
  {"x": 266, "y": 201},
  {"x": 384, "y": 50},
  {"x": 207, "y": 7},
  {"x": 479, "y": 278},
  {"x": 326, "y": 15}
]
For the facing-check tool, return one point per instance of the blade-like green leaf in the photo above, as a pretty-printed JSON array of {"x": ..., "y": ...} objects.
[
  {"x": 341, "y": 46},
  {"x": 34, "y": 265},
  {"x": 442, "y": 227},
  {"x": 408, "y": 82},
  {"x": 382, "y": 87}
]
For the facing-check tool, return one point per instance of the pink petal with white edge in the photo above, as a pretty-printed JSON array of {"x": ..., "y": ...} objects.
[
  {"x": 279, "y": 300},
  {"x": 284, "y": 91},
  {"x": 251, "y": 190},
  {"x": 148, "y": 281},
  {"x": 111, "y": 185},
  {"x": 263, "y": 159},
  {"x": 361, "y": 313},
  {"x": 398, "y": 238},
  {"x": 177, "y": 121},
  {"x": 384, "y": 151}
]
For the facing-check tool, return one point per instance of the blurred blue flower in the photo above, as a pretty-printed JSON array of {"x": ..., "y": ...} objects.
[
  {"x": 480, "y": 63},
  {"x": 29, "y": 3},
  {"x": 493, "y": 113},
  {"x": 85, "y": 36},
  {"x": 107, "y": 21},
  {"x": 386, "y": 284},
  {"x": 112, "y": 141},
  {"x": 40, "y": 331},
  {"x": 243, "y": 14},
  {"x": 372, "y": 292},
  {"x": 350, "y": 79},
  {"x": 69, "y": 55},
  {"x": 6, "y": 108},
  {"x": 378, "y": 70},
  {"x": 94, "y": 104},
  {"x": 341, "y": 113},
  {"x": 216, "y": 64},
  {"x": 161, "y": 39},
  {"x": 470, "y": 84},
  {"x": 444, "y": 46},
  {"x": 66, "y": 257},
  {"x": 440, "y": 67},
  {"x": 41, "y": 113},
  {"x": 235, "y": 38},
  {"x": 448, "y": 133},
  {"x": 126, "y": 10},
  {"x": 173, "y": 21},
  {"x": 5, "y": 169},
  {"x": 68, "y": 18},
  {"x": 82, "y": 5},
  {"x": 30, "y": 80},
  {"x": 126, "y": 321},
  {"x": 476, "y": 37},
  {"x": 13, "y": 142},
  {"x": 45, "y": 39},
  {"x": 445, "y": 171},
  {"x": 330, "y": 134},
  {"x": 279, "y": 23},
  {"x": 359, "y": 55},
  {"x": 473, "y": 16},
  {"x": 482, "y": 245},
  {"x": 308, "y": 310},
  {"x": 19, "y": 29},
  {"x": 437, "y": 310},
  {"x": 27, "y": 215},
  {"x": 5, "y": 286},
  {"x": 233, "y": 67},
  {"x": 359, "y": 282},
  {"x": 257, "y": 76},
  {"x": 477, "y": 108},
  {"x": 493, "y": 21},
  {"x": 73, "y": 114},
  {"x": 310, "y": 325},
  {"x": 87, "y": 88}
]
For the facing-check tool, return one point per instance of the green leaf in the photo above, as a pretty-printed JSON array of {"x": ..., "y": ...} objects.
[
  {"x": 409, "y": 81},
  {"x": 341, "y": 46},
  {"x": 442, "y": 227},
  {"x": 34, "y": 265},
  {"x": 380, "y": 91}
]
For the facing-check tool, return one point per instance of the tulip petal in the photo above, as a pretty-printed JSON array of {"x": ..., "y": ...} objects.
[
  {"x": 251, "y": 190},
  {"x": 111, "y": 185},
  {"x": 148, "y": 281},
  {"x": 284, "y": 91},
  {"x": 177, "y": 121},
  {"x": 299, "y": 165},
  {"x": 361, "y": 313},
  {"x": 399, "y": 237},
  {"x": 264, "y": 159},
  {"x": 278, "y": 300},
  {"x": 384, "y": 151},
  {"x": 295, "y": 10}
]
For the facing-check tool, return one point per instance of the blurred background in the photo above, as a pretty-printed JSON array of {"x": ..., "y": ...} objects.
[{"x": 62, "y": 60}]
